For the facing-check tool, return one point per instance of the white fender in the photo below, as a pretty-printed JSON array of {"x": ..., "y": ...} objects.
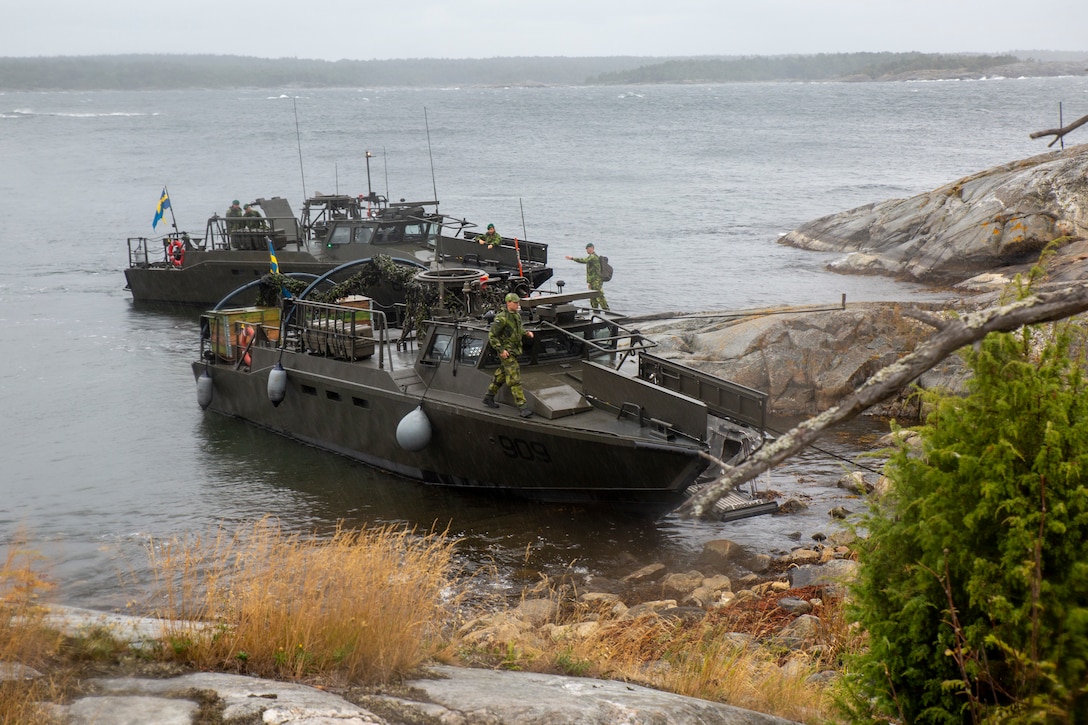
[
  {"x": 414, "y": 431},
  {"x": 277, "y": 385},
  {"x": 204, "y": 387}
]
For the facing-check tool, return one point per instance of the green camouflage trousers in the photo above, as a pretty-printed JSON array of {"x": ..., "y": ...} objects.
[
  {"x": 509, "y": 372},
  {"x": 599, "y": 299}
]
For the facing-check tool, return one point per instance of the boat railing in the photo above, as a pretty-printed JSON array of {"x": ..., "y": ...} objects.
[
  {"x": 252, "y": 233},
  {"x": 341, "y": 331},
  {"x": 145, "y": 251},
  {"x": 620, "y": 340}
]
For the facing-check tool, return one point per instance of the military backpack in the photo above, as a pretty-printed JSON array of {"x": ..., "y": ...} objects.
[{"x": 606, "y": 270}]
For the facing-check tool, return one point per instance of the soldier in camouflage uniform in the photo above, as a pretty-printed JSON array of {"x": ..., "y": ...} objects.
[
  {"x": 234, "y": 214},
  {"x": 252, "y": 217},
  {"x": 505, "y": 336},
  {"x": 593, "y": 275},
  {"x": 492, "y": 238}
]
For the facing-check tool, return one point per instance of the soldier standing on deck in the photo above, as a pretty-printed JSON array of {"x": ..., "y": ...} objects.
[
  {"x": 505, "y": 335},
  {"x": 593, "y": 275}
]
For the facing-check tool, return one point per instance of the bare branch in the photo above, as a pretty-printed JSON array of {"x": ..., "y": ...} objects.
[
  {"x": 935, "y": 321},
  {"x": 1059, "y": 132},
  {"x": 1044, "y": 307}
]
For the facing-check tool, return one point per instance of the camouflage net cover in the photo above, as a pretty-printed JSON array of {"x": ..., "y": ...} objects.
[{"x": 382, "y": 272}]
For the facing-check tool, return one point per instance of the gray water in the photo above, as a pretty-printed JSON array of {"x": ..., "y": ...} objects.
[{"x": 685, "y": 188}]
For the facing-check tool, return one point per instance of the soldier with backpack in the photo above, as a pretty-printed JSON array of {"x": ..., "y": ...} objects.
[{"x": 598, "y": 271}]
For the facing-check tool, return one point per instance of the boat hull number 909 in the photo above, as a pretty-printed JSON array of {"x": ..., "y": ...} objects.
[{"x": 525, "y": 450}]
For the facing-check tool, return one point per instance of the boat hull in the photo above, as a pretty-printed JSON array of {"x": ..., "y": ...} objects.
[
  {"x": 208, "y": 277},
  {"x": 356, "y": 412}
]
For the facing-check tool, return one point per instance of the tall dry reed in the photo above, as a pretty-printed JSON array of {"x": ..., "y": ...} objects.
[
  {"x": 25, "y": 641},
  {"x": 363, "y": 605}
]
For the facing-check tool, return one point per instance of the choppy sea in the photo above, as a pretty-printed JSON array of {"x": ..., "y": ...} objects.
[{"x": 685, "y": 188}]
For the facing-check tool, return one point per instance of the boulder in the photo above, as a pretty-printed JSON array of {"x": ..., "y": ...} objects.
[{"x": 994, "y": 221}]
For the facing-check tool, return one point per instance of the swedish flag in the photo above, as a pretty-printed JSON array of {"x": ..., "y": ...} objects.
[
  {"x": 274, "y": 267},
  {"x": 164, "y": 204}
]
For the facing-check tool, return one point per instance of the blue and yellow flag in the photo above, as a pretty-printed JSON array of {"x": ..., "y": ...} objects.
[
  {"x": 274, "y": 267},
  {"x": 164, "y": 204}
]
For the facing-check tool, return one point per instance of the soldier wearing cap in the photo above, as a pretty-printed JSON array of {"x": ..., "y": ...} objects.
[
  {"x": 251, "y": 216},
  {"x": 593, "y": 275},
  {"x": 505, "y": 336},
  {"x": 234, "y": 211},
  {"x": 491, "y": 238}
]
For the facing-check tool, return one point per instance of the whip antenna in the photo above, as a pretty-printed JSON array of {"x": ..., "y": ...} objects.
[
  {"x": 298, "y": 139},
  {"x": 434, "y": 186}
]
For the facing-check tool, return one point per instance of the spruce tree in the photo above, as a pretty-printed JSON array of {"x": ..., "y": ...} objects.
[{"x": 973, "y": 584}]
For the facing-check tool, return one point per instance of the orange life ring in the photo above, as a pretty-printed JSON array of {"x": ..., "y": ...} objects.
[
  {"x": 175, "y": 252},
  {"x": 245, "y": 339}
]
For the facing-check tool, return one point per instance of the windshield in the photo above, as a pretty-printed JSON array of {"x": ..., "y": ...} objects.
[{"x": 350, "y": 234}]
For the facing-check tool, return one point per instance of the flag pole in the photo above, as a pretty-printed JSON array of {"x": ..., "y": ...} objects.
[{"x": 173, "y": 219}]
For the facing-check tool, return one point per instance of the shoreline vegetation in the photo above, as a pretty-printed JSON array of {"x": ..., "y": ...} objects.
[
  {"x": 176, "y": 72},
  {"x": 356, "y": 611}
]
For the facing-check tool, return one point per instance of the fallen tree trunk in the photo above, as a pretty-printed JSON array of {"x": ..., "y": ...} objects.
[
  {"x": 1060, "y": 132},
  {"x": 1044, "y": 307}
]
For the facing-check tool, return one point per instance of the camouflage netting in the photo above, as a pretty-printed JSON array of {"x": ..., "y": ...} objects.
[{"x": 383, "y": 277}]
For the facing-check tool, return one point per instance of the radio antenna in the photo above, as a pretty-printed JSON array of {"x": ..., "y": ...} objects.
[
  {"x": 434, "y": 186},
  {"x": 298, "y": 138}
]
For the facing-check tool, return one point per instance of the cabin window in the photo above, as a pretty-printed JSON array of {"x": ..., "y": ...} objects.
[
  {"x": 601, "y": 333},
  {"x": 387, "y": 234},
  {"x": 440, "y": 349},
  {"x": 364, "y": 235},
  {"x": 339, "y": 236},
  {"x": 471, "y": 349},
  {"x": 332, "y": 395},
  {"x": 417, "y": 232}
]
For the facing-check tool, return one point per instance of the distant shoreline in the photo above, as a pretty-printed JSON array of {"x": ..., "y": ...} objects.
[{"x": 193, "y": 72}]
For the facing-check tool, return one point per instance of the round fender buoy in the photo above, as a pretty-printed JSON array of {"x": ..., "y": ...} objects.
[
  {"x": 414, "y": 431},
  {"x": 204, "y": 387},
  {"x": 277, "y": 385}
]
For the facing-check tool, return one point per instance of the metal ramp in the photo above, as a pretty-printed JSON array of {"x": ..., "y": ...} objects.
[{"x": 736, "y": 505}]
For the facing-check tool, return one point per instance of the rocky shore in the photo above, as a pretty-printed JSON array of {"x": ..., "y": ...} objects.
[{"x": 779, "y": 601}]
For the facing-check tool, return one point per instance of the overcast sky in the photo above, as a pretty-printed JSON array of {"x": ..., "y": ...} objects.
[{"x": 382, "y": 29}]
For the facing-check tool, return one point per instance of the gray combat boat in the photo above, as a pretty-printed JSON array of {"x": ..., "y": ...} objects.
[
  {"x": 183, "y": 269},
  {"x": 613, "y": 423}
]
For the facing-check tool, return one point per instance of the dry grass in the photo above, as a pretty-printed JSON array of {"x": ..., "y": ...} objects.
[
  {"x": 369, "y": 607},
  {"x": 728, "y": 656},
  {"x": 24, "y": 640},
  {"x": 361, "y": 606}
]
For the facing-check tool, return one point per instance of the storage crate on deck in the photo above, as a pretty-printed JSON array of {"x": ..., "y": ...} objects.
[
  {"x": 225, "y": 327},
  {"x": 342, "y": 330}
]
